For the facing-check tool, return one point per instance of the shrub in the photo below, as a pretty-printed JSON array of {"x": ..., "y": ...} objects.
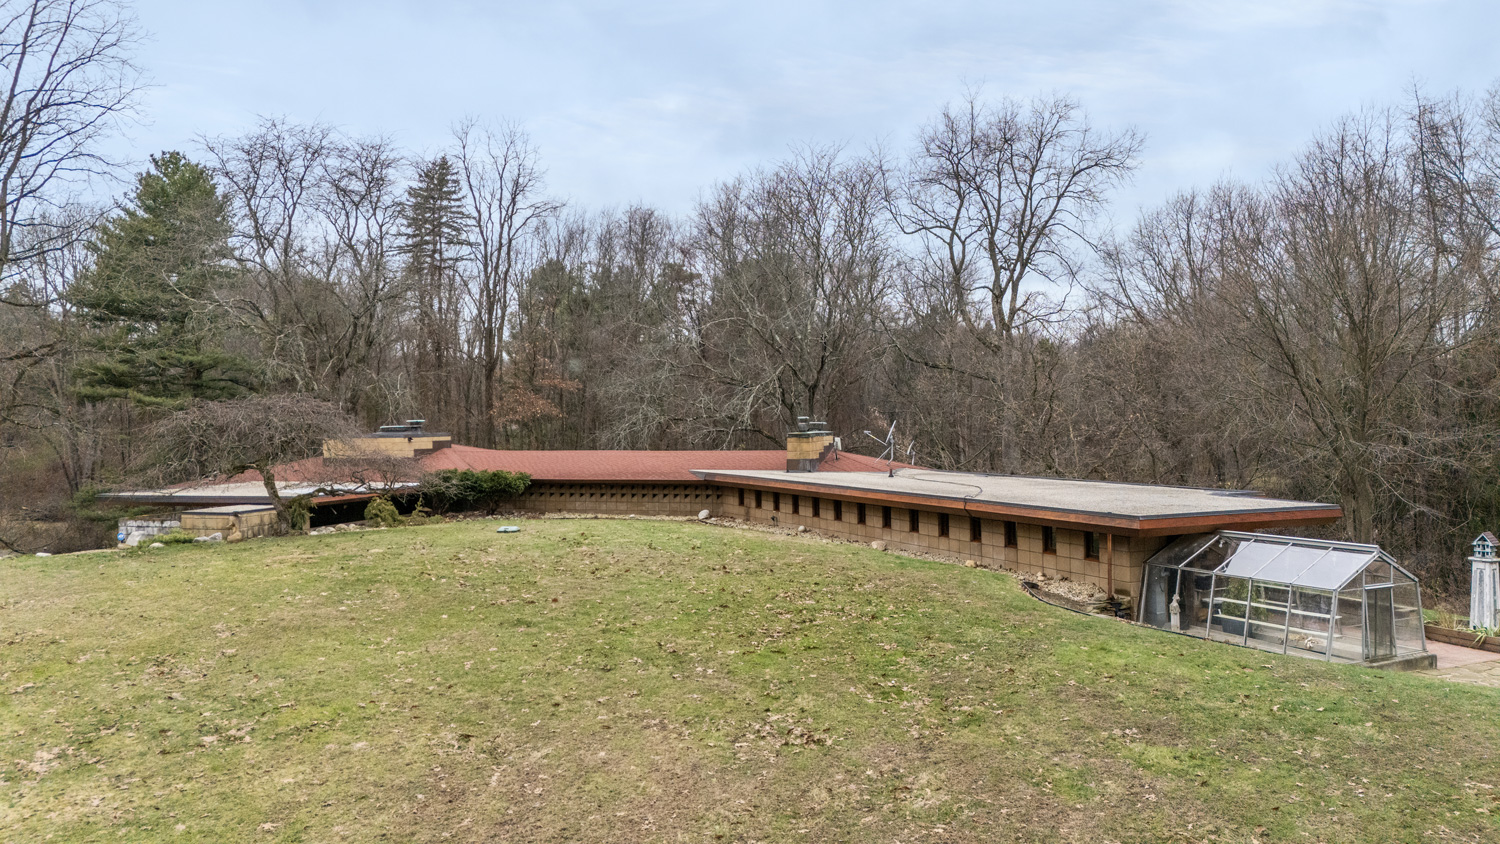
[
  {"x": 171, "y": 537},
  {"x": 465, "y": 489},
  {"x": 381, "y": 511},
  {"x": 421, "y": 515},
  {"x": 299, "y": 512}
]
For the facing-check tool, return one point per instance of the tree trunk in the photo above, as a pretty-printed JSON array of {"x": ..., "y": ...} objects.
[{"x": 268, "y": 478}]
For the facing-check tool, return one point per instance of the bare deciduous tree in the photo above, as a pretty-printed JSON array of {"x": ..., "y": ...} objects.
[
  {"x": 219, "y": 439},
  {"x": 68, "y": 76},
  {"x": 317, "y": 220},
  {"x": 502, "y": 182},
  {"x": 1001, "y": 195},
  {"x": 795, "y": 259},
  {"x": 1343, "y": 305}
]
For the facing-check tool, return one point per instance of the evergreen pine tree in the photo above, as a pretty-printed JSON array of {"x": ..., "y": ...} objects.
[
  {"x": 156, "y": 264},
  {"x": 434, "y": 219},
  {"x": 434, "y": 236}
]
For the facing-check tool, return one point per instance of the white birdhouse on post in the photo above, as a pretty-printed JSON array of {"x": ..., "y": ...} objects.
[{"x": 1484, "y": 587}]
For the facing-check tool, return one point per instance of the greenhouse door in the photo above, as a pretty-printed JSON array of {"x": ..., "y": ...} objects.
[{"x": 1380, "y": 623}]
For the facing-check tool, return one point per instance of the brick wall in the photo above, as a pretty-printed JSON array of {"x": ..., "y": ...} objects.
[
  {"x": 617, "y": 499},
  {"x": 1027, "y": 555}
]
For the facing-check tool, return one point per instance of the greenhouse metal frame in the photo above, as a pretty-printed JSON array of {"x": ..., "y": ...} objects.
[{"x": 1336, "y": 601}]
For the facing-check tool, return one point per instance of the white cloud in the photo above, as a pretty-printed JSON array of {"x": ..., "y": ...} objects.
[{"x": 654, "y": 101}]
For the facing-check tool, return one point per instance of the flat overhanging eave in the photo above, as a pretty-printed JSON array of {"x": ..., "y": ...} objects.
[
  {"x": 1106, "y": 522},
  {"x": 186, "y": 500}
]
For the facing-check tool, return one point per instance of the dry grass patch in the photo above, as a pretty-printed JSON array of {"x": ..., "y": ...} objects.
[{"x": 663, "y": 681}]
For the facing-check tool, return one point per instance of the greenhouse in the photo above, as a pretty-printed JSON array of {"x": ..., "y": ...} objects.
[{"x": 1334, "y": 601}]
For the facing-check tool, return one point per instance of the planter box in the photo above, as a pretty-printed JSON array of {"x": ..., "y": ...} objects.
[{"x": 1464, "y": 638}]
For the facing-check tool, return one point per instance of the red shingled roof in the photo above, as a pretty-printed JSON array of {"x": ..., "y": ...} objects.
[
  {"x": 627, "y": 465},
  {"x": 585, "y": 466}
]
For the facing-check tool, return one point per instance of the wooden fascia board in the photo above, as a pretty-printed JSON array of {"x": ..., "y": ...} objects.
[
  {"x": 1205, "y": 523},
  {"x": 690, "y": 481},
  {"x": 187, "y": 500},
  {"x": 234, "y": 500}
]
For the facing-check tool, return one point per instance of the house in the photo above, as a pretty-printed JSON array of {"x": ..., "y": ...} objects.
[{"x": 1092, "y": 531}]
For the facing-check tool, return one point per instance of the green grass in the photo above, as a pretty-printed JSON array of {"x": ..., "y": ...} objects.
[{"x": 662, "y": 681}]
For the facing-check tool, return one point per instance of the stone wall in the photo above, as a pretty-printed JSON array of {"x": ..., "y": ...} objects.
[
  {"x": 1027, "y": 555},
  {"x": 142, "y": 528}
]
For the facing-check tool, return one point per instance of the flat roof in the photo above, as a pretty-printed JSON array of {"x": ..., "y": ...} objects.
[
  {"x": 245, "y": 492},
  {"x": 1140, "y": 509},
  {"x": 228, "y": 510}
]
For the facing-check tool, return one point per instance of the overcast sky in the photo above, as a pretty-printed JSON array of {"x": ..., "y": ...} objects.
[{"x": 653, "y": 101}]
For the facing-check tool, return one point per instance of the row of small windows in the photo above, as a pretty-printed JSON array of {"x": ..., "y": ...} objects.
[
  {"x": 698, "y": 496},
  {"x": 914, "y": 523}
]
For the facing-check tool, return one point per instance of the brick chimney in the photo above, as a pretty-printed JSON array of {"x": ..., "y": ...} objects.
[
  {"x": 808, "y": 445},
  {"x": 408, "y": 440}
]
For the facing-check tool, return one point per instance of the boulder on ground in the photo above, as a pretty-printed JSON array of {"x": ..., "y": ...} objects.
[
  {"x": 157, "y": 545},
  {"x": 970, "y": 564},
  {"x": 702, "y": 515},
  {"x": 879, "y": 545},
  {"x": 802, "y": 528}
]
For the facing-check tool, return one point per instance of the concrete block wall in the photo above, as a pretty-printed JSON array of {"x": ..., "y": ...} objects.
[
  {"x": 619, "y": 499},
  {"x": 242, "y": 525},
  {"x": 1069, "y": 561},
  {"x": 413, "y": 446}
]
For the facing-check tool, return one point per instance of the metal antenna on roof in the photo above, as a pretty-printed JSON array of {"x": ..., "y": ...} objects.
[{"x": 889, "y": 455}]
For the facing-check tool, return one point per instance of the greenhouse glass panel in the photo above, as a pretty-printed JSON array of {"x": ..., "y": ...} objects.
[
  {"x": 1291, "y": 564},
  {"x": 1314, "y": 598},
  {"x": 1410, "y": 637},
  {"x": 1348, "y": 632},
  {"x": 1268, "y": 615},
  {"x": 1307, "y": 634},
  {"x": 1179, "y": 552},
  {"x": 1250, "y": 557},
  {"x": 1335, "y": 569},
  {"x": 1227, "y": 620},
  {"x": 1161, "y": 588},
  {"x": 1211, "y": 557},
  {"x": 1193, "y": 591},
  {"x": 1379, "y": 623},
  {"x": 1378, "y": 572}
]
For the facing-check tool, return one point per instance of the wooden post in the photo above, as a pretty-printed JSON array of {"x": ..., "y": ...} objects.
[{"x": 1109, "y": 563}]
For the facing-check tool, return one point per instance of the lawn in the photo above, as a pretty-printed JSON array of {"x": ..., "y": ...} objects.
[{"x": 667, "y": 681}]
